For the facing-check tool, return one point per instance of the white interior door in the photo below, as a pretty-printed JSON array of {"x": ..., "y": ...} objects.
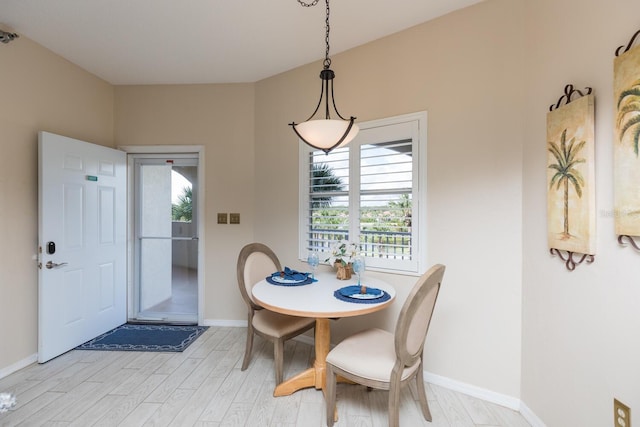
[{"x": 82, "y": 242}]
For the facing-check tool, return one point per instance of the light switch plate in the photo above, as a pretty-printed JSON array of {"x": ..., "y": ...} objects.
[
  {"x": 222, "y": 218},
  {"x": 234, "y": 218}
]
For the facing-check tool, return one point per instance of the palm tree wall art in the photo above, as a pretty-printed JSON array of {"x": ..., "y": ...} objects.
[
  {"x": 566, "y": 172},
  {"x": 570, "y": 177},
  {"x": 628, "y": 117},
  {"x": 626, "y": 146}
]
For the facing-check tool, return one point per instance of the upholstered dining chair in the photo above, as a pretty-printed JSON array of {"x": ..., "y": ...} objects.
[
  {"x": 255, "y": 262},
  {"x": 382, "y": 360}
]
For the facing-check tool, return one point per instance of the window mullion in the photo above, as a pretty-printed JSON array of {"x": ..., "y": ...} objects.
[{"x": 354, "y": 193}]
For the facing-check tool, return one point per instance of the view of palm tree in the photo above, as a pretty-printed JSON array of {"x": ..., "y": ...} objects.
[
  {"x": 403, "y": 208},
  {"x": 324, "y": 180},
  {"x": 182, "y": 211},
  {"x": 566, "y": 172},
  {"x": 629, "y": 114}
]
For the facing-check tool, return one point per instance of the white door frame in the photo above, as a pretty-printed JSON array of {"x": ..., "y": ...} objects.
[{"x": 165, "y": 149}]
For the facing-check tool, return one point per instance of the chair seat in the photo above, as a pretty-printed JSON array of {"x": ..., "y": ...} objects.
[
  {"x": 368, "y": 354},
  {"x": 279, "y": 325}
]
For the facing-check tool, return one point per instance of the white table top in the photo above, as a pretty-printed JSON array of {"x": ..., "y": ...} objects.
[{"x": 316, "y": 299}]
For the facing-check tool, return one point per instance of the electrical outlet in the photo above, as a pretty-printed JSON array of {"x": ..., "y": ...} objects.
[
  {"x": 234, "y": 218},
  {"x": 621, "y": 414},
  {"x": 222, "y": 218}
]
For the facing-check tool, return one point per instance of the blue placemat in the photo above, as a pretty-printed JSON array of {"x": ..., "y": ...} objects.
[
  {"x": 343, "y": 295},
  {"x": 289, "y": 277}
]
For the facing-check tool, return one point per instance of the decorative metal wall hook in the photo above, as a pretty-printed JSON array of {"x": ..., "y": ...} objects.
[
  {"x": 631, "y": 241},
  {"x": 6, "y": 37},
  {"x": 569, "y": 262},
  {"x": 568, "y": 93},
  {"x": 633, "y": 39}
]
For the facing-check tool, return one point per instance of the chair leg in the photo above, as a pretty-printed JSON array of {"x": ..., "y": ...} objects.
[
  {"x": 249, "y": 346},
  {"x": 331, "y": 395},
  {"x": 278, "y": 359},
  {"x": 422, "y": 396},
  {"x": 394, "y": 404}
]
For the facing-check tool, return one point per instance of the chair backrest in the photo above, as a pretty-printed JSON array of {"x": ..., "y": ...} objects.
[
  {"x": 415, "y": 316},
  {"x": 255, "y": 262}
]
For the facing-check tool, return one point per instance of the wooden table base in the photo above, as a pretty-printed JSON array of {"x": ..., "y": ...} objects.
[{"x": 316, "y": 375}]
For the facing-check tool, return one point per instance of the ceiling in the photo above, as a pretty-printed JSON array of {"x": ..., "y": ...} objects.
[{"x": 206, "y": 41}]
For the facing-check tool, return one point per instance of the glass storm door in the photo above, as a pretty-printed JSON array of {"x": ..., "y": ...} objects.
[{"x": 166, "y": 246}]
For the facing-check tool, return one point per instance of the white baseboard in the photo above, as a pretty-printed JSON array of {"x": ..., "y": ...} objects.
[
  {"x": 486, "y": 395},
  {"x": 229, "y": 323},
  {"x": 4, "y": 372},
  {"x": 464, "y": 388},
  {"x": 471, "y": 390},
  {"x": 530, "y": 416}
]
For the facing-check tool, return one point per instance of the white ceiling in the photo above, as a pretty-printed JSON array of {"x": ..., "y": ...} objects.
[{"x": 206, "y": 41}]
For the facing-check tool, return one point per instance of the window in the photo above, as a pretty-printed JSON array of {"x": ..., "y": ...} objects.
[{"x": 371, "y": 192}]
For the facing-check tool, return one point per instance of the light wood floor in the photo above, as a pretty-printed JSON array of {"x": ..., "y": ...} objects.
[{"x": 203, "y": 386}]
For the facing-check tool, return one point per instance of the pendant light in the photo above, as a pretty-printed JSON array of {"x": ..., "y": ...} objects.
[{"x": 326, "y": 133}]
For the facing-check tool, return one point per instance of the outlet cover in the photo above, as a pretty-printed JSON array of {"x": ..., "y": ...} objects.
[
  {"x": 222, "y": 218},
  {"x": 621, "y": 414},
  {"x": 234, "y": 218}
]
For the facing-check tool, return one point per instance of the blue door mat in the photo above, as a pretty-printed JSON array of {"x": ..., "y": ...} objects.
[{"x": 130, "y": 337}]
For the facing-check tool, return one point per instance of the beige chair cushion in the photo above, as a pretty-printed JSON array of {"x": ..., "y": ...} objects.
[
  {"x": 369, "y": 354},
  {"x": 278, "y": 325}
]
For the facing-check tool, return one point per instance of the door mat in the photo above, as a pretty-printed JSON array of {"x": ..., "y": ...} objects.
[{"x": 129, "y": 337}]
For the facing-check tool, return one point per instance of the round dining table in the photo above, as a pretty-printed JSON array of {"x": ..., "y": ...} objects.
[{"x": 317, "y": 300}]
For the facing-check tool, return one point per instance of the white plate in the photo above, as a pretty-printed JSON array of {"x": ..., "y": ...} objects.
[
  {"x": 283, "y": 280},
  {"x": 366, "y": 296}
]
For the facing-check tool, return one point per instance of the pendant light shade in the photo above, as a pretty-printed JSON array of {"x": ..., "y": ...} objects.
[{"x": 326, "y": 133}]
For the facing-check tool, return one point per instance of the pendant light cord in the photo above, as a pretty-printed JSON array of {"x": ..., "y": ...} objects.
[
  {"x": 324, "y": 137},
  {"x": 327, "y": 60}
]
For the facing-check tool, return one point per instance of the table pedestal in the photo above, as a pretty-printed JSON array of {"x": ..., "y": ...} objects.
[{"x": 314, "y": 376}]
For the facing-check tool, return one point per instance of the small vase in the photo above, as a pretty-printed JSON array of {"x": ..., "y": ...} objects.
[{"x": 343, "y": 272}]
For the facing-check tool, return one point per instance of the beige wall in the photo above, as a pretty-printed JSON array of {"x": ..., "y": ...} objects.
[
  {"x": 465, "y": 70},
  {"x": 581, "y": 342},
  {"x": 510, "y": 318},
  {"x": 219, "y": 118},
  {"x": 38, "y": 91}
]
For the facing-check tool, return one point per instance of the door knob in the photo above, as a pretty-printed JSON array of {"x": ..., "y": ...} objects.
[{"x": 51, "y": 264}]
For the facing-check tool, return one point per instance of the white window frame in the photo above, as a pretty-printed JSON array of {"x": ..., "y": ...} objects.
[{"x": 418, "y": 125}]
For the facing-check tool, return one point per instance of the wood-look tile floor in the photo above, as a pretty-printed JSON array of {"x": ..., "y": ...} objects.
[{"x": 203, "y": 386}]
